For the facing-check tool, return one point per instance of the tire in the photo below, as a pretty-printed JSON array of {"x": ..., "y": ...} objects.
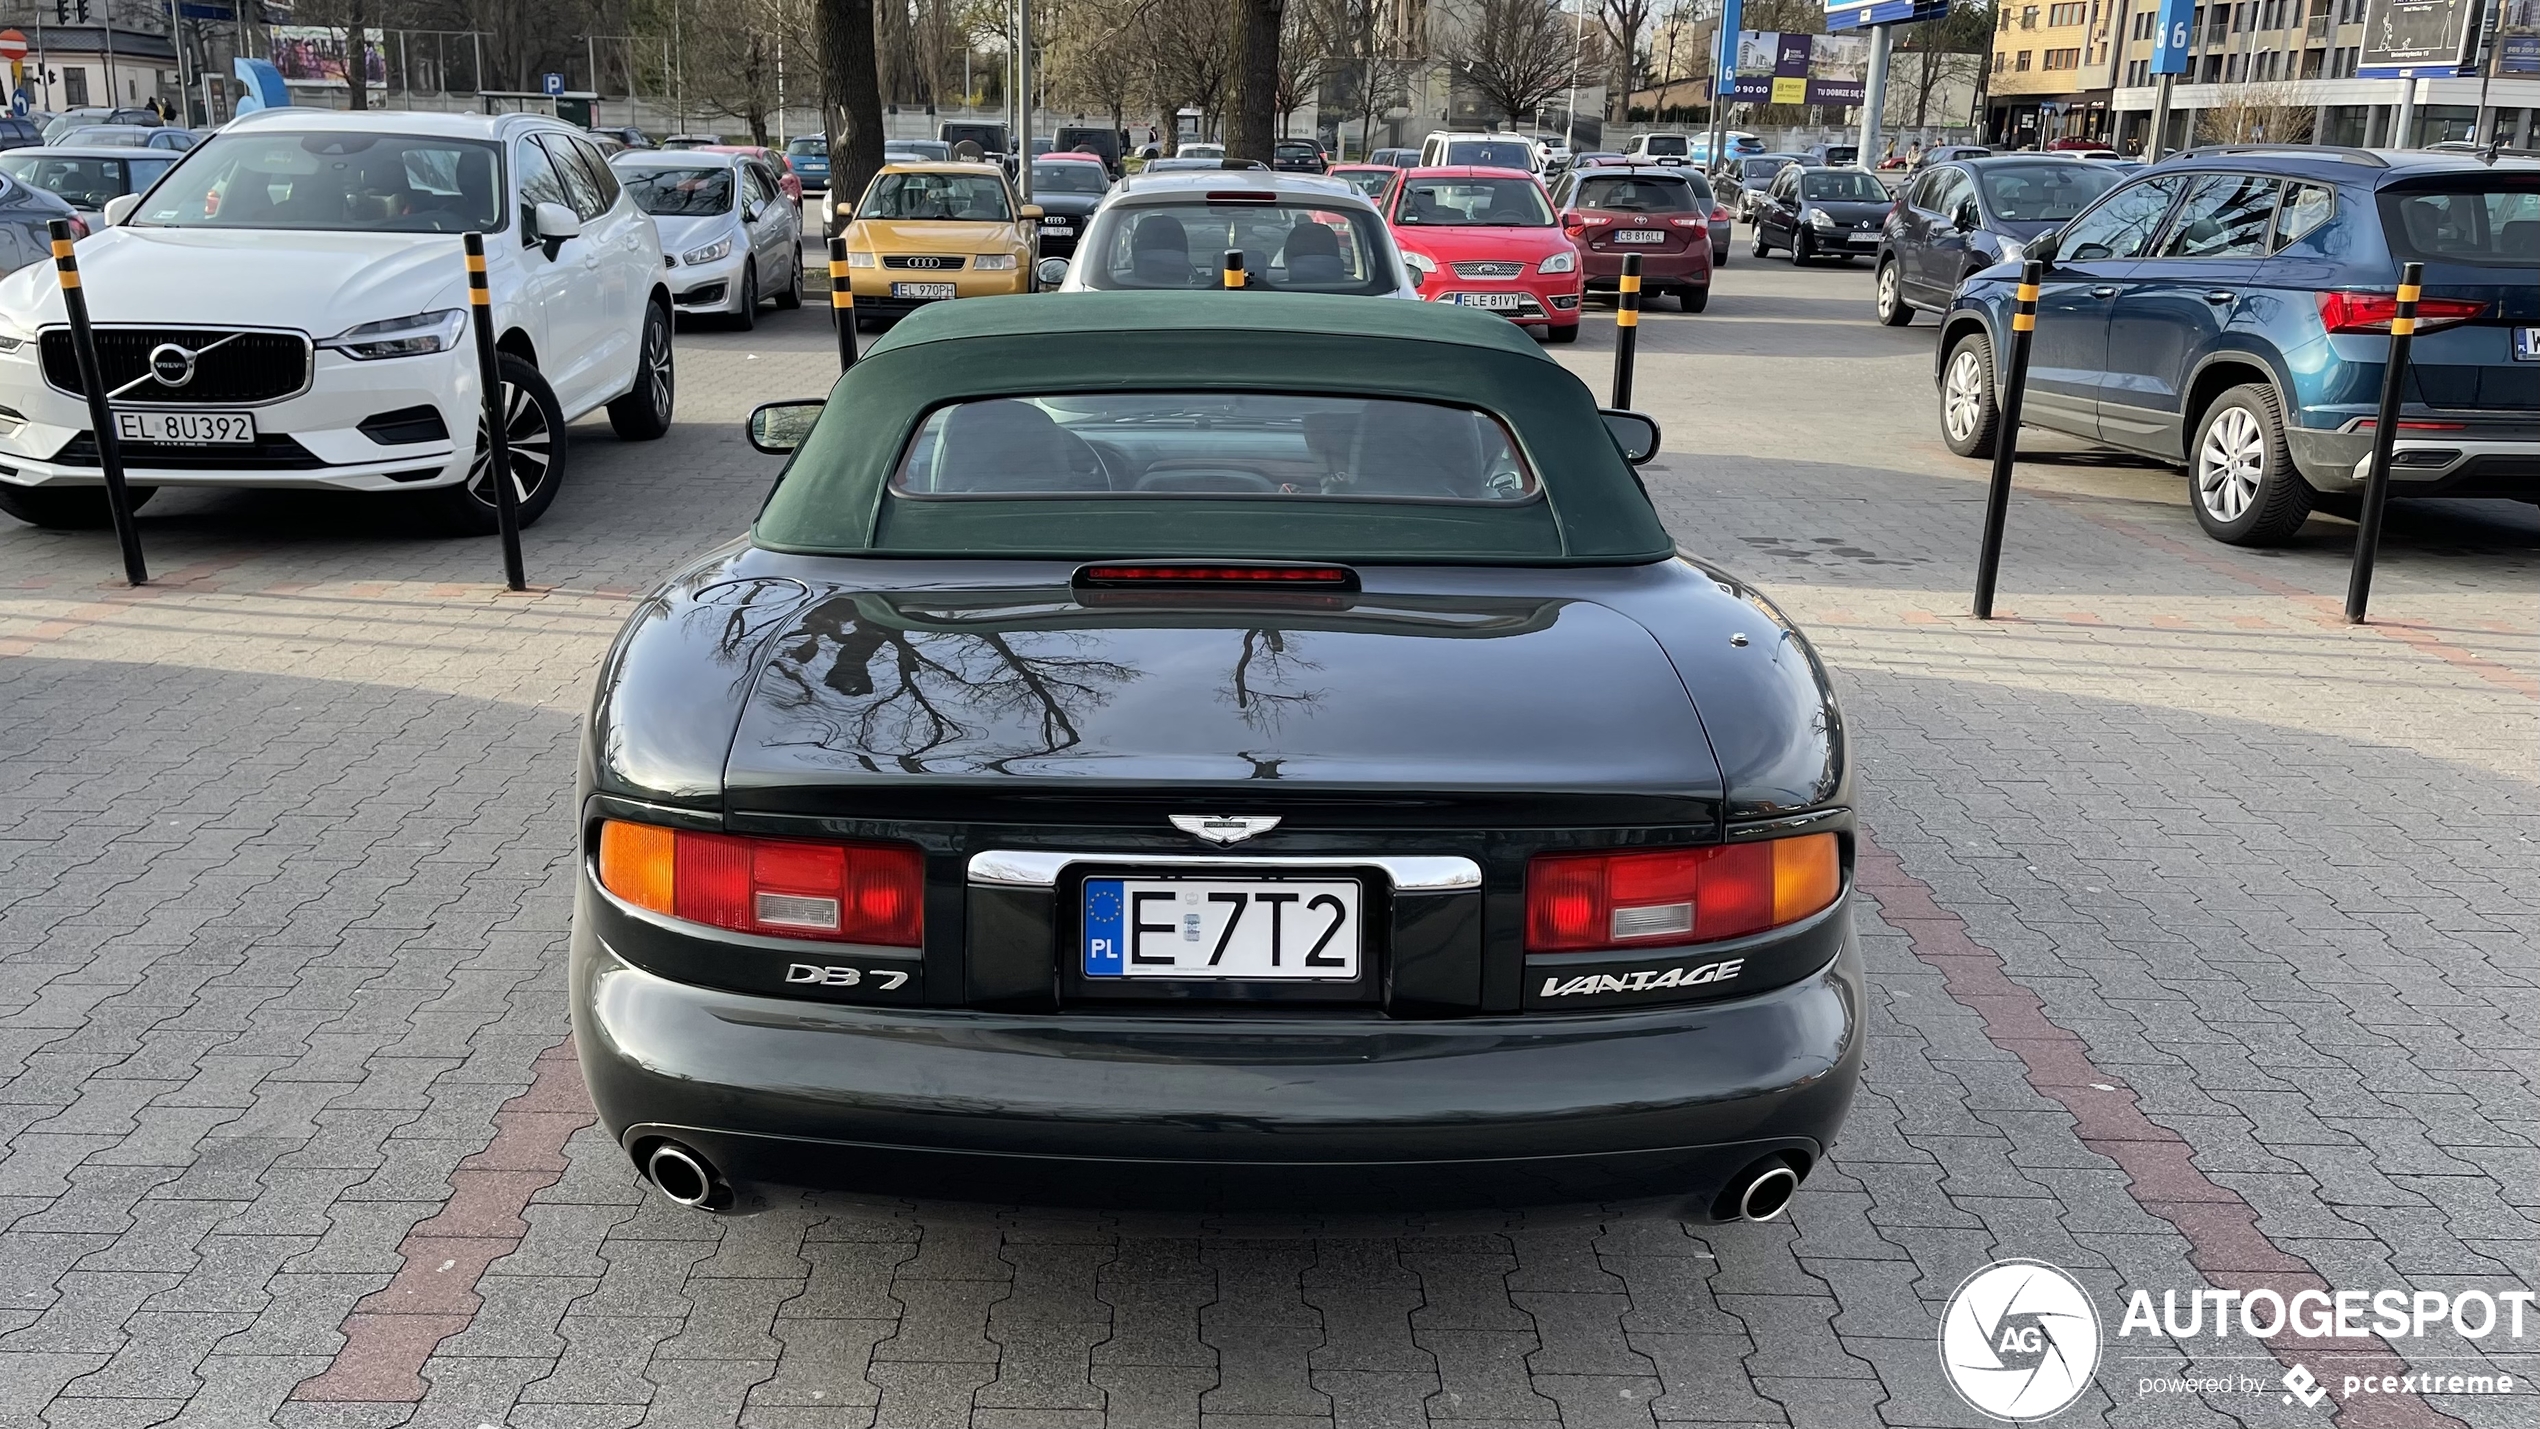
[
  {"x": 1720, "y": 253},
  {"x": 2240, "y": 471},
  {"x": 1694, "y": 300},
  {"x": 1970, "y": 416},
  {"x": 1759, "y": 247},
  {"x": 1893, "y": 310},
  {"x": 67, "y": 508},
  {"x": 535, "y": 425},
  {"x": 792, "y": 296},
  {"x": 747, "y": 317},
  {"x": 1561, "y": 334},
  {"x": 643, "y": 414},
  {"x": 1803, "y": 250}
]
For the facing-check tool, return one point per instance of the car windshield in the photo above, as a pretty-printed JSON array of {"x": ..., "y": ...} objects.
[
  {"x": 1752, "y": 169},
  {"x": 808, "y": 148},
  {"x": 1184, "y": 245},
  {"x": 117, "y": 136},
  {"x": 1370, "y": 182},
  {"x": 386, "y": 183},
  {"x": 1842, "y": 186},
  {"x": 1665, "y": 144},
  {"x": 678, "y": 193},
  {"x": 81, "y": 183},
  {"x": 1213, "y": 445},
  {"x": 2488, "y": 221},
  {"x": 1667, "y": 194},
  {"x": 976, "y": 198},
  {"x": 1472, "y": 203},
  {"x": 1068, "y": 178},
  {"x": 1299, "y": 150},
  {"x": 2043, "y": 193},
  {"x": 1490, "y": 153}
]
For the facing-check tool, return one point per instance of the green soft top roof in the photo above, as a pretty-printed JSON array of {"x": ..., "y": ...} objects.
[{"x": 835, "y": 497}]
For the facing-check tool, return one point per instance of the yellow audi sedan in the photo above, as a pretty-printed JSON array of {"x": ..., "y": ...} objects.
[{"x": 927, "y": 232}]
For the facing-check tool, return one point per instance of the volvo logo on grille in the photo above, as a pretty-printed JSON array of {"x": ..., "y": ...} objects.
[
  {"x": 1225, "y": 828},
  {"x": 171, "y": 365}
]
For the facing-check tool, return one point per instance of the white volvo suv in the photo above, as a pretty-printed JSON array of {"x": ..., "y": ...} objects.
[{"x": 288, "y": 308}]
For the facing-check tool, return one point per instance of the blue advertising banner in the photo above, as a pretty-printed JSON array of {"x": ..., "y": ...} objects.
[
  {"x": 1842, "y": 15},
  {"x": 1724, "y": 51},
  {"x": 1786, "y": 67},
  {"x": 2176, "y": 36}
]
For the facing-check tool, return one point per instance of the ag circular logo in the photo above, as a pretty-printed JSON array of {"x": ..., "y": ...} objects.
[
  {"x": 2019, "y": 1340},
  {"x": 172, "y": 365}
]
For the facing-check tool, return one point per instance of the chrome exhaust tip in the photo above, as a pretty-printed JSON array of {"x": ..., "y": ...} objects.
[
  {"x": 684, "y": 1176},
  {"x": 1767, "y": 1194}
]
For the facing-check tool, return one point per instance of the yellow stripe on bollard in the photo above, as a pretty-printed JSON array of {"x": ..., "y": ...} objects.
[
  {"x": 2403, "y": 327},
  {"x": 479, "y": 298},
  {"x": 1628, "y": 317},
  {"x": 1631, "y": 282},
  {"x": 2027, "y": 293},
  {"x": 2408, "y": 294},
  {"x": 2023, "y": 322},
  {"x": 61, "y": 250}
]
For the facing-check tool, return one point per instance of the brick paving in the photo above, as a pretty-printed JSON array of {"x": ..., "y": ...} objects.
[{"x": 2199, "y": 929}]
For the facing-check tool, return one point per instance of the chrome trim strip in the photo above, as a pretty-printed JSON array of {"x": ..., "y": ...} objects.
[
  {"x": 1792, "y": 824},
  {"x": 1042, "y": 868}
]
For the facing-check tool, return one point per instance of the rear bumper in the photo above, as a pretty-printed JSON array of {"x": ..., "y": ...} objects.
[
  {"x": 1656, "y": 1108},
  {"x": 2421, "y": 464},
  {"x": 1686, "y": 268}
]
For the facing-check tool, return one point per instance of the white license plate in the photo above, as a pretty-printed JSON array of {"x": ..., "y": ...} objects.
[
  {"x": 1055, "y": 225},
  {"x": 2527, "y": 344},
  {"x": 1496, "y": 302},
  {"x": 922, "y": 290},
  {"x": 200, "y": 429},
  {"x": 1231, "y": 928},
  {"x": 1640, "y": 235},
  {"x": 1859, "y": 239}
]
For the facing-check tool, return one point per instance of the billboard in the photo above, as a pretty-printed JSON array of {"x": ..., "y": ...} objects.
[
  {"x": 2420, "y": 39},
  {"x": 1844, "y": 15},
  {"x": 2518, "y": 38},
  {"x": 2175, "y": 37},
  {"x": 312, "y": 56},
  {"x": 1780, "y": 67}
]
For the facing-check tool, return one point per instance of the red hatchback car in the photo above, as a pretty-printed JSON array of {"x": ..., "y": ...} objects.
[
  {"x": 1653, "y": 211},
  {"x": 1486, "y": 238}
]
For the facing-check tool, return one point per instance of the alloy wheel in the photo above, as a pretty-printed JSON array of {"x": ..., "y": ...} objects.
[
  {"x": 1962, "y": 399},
  {"x": 1887, "y": 289},
  {"x": 657, "y": 372},
  {"x": 2230, "y": 463},
  {"x": 532, "y": 448}
]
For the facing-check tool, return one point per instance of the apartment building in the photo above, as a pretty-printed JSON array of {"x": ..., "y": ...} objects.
[{"x": 2050, "y": 66}]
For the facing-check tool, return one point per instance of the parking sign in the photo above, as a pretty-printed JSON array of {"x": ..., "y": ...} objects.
[
  {"x": 551, "y": 83},
  {"x": 2177, "y": 32}
]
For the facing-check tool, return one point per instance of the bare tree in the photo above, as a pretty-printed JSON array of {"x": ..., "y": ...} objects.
[
  {"x": 1625, "y": 21},
  {"x": 1935, "y": 54},
  {"x": 851, "y": 99},
  {"x": 2262, "y": 112},
  {"x": 1090, "y": 64},
  {"x": 1516, "y": 53},
  {"x": 1258, "y": 23},
  {"x": 735, "y": 63},
  {"x": 1189, "y": 47}
]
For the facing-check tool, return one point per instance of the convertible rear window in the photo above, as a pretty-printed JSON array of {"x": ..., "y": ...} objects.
[
  {"x": 2490, "y": 221},
  {"x": 1275, "y": 447}
]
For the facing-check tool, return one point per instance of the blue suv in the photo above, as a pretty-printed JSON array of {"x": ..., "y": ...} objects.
[{"x": 2229, "y": 309}]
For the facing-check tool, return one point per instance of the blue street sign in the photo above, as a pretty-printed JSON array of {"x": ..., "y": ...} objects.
[
  {"x": 551, "y": 83},
  {"x": 20, "y": 103},
  {"x": 1724, "y": 72},
  {"x": 1842, "y": 15},
  {"x": 2176, "y": 35}
]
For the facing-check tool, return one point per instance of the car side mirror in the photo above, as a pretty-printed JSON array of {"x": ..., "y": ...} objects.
[
  {"x": 777, "y": 428},
  {"x": 1051, "y": 271},
  {"x": 1966, "y": 220},
  {"x": 1030, "y": 210},
  {"x": 119, "y": 208},
  {"x": 2043, "y": 246},
  {"x": 1635, "y": 435},
  {"x": 1418, "y": 278},
  {"x": 553, "y": 223}
]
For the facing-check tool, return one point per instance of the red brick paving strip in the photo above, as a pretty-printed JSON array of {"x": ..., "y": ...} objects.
[
  {"x": 2222, "y": 1232},
  {"x": 390, "y": 1334}
]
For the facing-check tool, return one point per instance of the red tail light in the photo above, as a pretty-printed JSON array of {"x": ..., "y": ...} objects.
[
  {"x": 1283, "y": 575},
  {"x": 1696, "y": 221},
  {"x": 1719, "y": 214},
  {"x": 778, "y": 888},
  {"x": 2372, "y": 312},
  {"x": 1652, "y": 898}
]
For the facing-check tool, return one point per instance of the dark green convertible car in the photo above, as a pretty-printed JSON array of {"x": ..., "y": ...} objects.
[{"x": 1216, "y": 750}]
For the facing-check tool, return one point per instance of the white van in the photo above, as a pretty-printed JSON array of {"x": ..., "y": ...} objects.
[{"x": 1446, "y": 149}]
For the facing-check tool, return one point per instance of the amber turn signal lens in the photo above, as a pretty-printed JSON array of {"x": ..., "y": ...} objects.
[
  {"x": 1807, "y": 874},
  {"x": 637, "y": 863}
]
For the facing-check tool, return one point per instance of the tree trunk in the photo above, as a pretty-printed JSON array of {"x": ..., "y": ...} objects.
[
  {"x": 1256, "y": 79},
  {"x": 356, "y": 63},
  {"x": 851, "y": 90}
]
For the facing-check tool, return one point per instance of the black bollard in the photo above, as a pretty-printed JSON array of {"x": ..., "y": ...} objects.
[
  {"x": 101, "y": 413},
  {"x": 2006, "y": 439},
  {"x": 842, "y": 300},
  {"x": 2385, "y": 430},
  {"x": 498, "y": 447},
  {"x": 1233, "y": 276},
  {"x": 1626, "y": 330}
]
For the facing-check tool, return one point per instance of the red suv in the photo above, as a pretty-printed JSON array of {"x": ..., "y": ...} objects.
[
  {"x": 1486, "y": 238},
  {"x": 1654, "y": 211}
]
